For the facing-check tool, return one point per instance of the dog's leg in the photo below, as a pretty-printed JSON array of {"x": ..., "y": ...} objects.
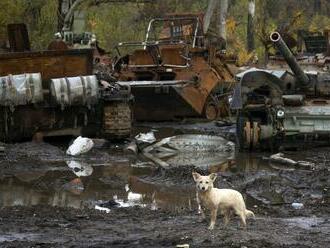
[
  {"x": 227, "y": 216},
  {"x": 200, "y": 209},
  {"x": 214, "y": 212},
  {"x": 242, "y": 218}
]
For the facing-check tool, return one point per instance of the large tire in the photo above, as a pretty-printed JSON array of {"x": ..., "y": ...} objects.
[{"x": 117, "y": 120}]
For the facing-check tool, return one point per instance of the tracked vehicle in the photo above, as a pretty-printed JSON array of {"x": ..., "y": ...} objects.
[
  {"x": 175, "y": 72},
  {"x": 312, "y": 51},
  {"x": 58, "y": 92},
  {"x": 282, "y": 108}
]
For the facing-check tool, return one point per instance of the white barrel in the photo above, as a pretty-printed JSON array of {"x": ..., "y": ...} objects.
[
  {"x": 74, "y": 91},
  {"x": 21, "y": 89}
]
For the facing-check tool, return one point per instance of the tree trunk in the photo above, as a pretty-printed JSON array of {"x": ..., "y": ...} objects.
[
  {"x": 250, "y": 26},
  {"x": 317, "y": 6},
  {"x": 222, "y": 20},
  {"x": 63, "y": 8},
  {"x": 69, "y": 14},
  {"x": 209, "y": 12}
]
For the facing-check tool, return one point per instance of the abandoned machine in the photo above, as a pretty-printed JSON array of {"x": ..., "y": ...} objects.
[
  {"x": 312, "y": 50},
  {"x": 282, "y": 108},
  {"x": 175, "y": 72},
  {"x": 57, "y": 92}
]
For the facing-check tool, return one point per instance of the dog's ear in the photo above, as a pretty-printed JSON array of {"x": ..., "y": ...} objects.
[
  {"x": 195, "y": 176},
  {"x": 213, "y": 176}
]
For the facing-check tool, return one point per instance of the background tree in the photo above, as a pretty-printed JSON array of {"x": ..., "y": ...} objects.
[{"x": 115, "y": 20}]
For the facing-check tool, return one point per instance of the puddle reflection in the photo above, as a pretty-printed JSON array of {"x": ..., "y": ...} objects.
[{"x": 80, "y": 184}]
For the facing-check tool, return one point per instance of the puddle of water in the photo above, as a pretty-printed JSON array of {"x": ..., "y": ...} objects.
[
  {"x": 82, "y": 184},
  {"x": 304, "y": 222},
  {"x": 90, "y": 180},
  {"x": 10, "y": 237}
]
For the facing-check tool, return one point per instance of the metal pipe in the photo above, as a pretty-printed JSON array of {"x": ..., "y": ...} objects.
[
  {"x": 302, "y": 78},
  {"x": 327, "y": 37}
]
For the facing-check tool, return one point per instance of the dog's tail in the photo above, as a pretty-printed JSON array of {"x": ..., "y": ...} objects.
[{"x": 249, "y": 214}]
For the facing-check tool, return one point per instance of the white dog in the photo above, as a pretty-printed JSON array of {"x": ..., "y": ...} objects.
[{"x": 228, "y": 200}]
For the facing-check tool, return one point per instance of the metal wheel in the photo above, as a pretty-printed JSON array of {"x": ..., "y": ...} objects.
[{"x": 211, "y": 111}]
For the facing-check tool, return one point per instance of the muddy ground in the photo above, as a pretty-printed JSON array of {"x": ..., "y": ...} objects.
[{"x": 47, "y": 202}]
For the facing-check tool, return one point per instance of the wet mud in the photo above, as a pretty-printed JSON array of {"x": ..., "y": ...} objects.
[{"x": 48, "y": 199}]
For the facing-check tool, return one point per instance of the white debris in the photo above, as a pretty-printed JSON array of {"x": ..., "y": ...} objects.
[
  {"x": 297, "y": 205},
  {"x": 182, "y": 246},
  {"x": 107, "y": 210},
  {"x": 132, "y": 147},
  {"x": 80, "y": 145},
  {"x": 134, "y": 197},
  {"x": 146, "y": 137},
  {"x": 278, "y": 157},
  {"x": 131, "y": 196},
  {"x": 80, "y": 169}
]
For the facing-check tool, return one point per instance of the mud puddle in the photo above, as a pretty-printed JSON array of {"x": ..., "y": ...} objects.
[
  {"x": 128, "y": 180},
  {"x": 42, "y": 174},
  {"x": 48, "y": 199}
]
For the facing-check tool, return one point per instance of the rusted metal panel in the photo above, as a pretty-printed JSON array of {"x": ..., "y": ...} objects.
[
  {"x": 51, "y": 64},
  {"x": 178, "y": 56}
]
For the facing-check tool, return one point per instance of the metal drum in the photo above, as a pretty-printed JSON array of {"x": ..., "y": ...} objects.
[
  {"x": 74, "y": 91},
  {"x": 21, "y": 89}
]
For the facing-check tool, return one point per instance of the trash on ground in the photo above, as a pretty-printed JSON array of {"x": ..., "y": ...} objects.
[
  {"x": 297, "y": 205},
  {"x": 146, "y": 137},
  {"x": 189, "y": 148},
  {"x": 182, "y": 246},
  {"x": 108, "y": 204},
  {"x": 132, "y": 147},
  {"x": 79, "y": 168},
  {"x": 107, "y": 210},
  {"x": 279, "y": 158},
  {"x": 191, "y": 143},
  {"x": 131, "y": 196},
  {"x": 79, "y": 146}
]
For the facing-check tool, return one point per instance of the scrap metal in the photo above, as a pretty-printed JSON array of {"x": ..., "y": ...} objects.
[
  {"x": 175, "y": 72},
  {"x": 282, "y": 107},
  {"x": 203, "y": 150}
]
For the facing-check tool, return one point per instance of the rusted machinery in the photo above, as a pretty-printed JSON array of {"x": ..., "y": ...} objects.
[
  {"x": 280, "y": 108},
  {"x": 312, "y": 51},
  {"x": 54, "y": 93},
  {"x": 175, "y": 72}
]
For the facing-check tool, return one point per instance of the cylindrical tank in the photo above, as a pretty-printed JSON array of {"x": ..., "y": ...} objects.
[
  {"x": 303, "y": 79},
  {"x": 74, "y": 91},
  {"x": 21, "y": 89}
]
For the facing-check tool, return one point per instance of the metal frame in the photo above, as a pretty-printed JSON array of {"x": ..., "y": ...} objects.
[{"x": 174, "y": 19}]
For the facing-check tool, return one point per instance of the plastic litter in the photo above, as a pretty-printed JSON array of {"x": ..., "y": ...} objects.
[
  {"x": 146, "y": 137},
  {"x": 80, "y": 169},
  {"x": 107, "y": 210},
  {"x": 297, "y": 205},
  {"x": 279, "y": 158},
  {"x": 79, "y": 146},
  {"x": 182, "y": 246}
]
